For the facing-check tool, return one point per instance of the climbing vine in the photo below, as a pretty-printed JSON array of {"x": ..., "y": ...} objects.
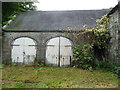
[
  {"x": 83, "y": 54},
  {"x": 101, "y": 33},
  {"x": 100, "y": 38}
]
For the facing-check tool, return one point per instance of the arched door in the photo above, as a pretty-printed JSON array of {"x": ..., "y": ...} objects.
[
  {"x": 23, "y": 50},
  {"x": 59, "y": 51}
]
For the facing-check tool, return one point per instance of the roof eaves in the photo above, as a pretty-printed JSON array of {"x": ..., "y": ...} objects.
[
  {"x": 113, "y": 10},
  {"x": 76, "y": 31}
]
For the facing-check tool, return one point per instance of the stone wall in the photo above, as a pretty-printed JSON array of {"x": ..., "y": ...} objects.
[
  {"x": 41, "y": 38},
  {"x": 0, "y": 47},
  {"x": 115, "y": 37},
  {"x": 0, "y": 32},
  {"x": 119, "y": 32}
]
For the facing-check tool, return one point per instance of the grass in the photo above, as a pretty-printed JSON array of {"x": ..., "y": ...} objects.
[{"x": 55, "y": 77}]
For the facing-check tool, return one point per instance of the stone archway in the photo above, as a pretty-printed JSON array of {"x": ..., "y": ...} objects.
[
  {"x": 23, "y": 50},
  {"x": 59, "y": 51}
]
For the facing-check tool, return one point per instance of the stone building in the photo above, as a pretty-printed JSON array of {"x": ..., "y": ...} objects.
[
  {"x": 41, "y": 35},
  {"x": 114, "y": 27}
]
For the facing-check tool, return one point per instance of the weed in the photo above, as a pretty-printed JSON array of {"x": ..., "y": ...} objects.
[
  {"x": 55, "y": 77},
  {"x": 41, "y": 85},
  {"x": 19, "y": 84}
]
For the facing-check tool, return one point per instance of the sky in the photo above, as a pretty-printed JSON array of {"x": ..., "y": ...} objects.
[{"x": 53, "y": 5}]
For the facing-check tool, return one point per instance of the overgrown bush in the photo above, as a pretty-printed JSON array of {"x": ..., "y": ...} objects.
[
  {"x": 108, "y": 66},
  {"x": 101, "y": 33},
  {"x": 83, "y": 56}
]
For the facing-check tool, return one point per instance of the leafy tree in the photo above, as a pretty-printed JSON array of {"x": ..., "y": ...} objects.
[{"x": 9, "y": 9}]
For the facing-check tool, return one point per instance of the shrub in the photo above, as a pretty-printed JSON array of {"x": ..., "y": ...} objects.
[
  {"x": 108, "y": 66},
  {"x": 83, "y": 56}
]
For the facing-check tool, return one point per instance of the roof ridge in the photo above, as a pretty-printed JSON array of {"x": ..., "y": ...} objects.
[{"x": 69, "y": 10}]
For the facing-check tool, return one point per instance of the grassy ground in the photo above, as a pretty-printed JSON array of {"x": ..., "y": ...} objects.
[{"x": 55, "y": 77}]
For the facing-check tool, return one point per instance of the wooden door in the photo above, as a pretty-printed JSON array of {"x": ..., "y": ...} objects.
[
  {"x": 23, "y": 50},
  {"x": 59, "y": 51}
]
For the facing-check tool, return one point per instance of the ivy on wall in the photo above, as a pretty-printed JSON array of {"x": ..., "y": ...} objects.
[
  {"x": 101, "y": 33},
  {"x": 84, "y": 54}
]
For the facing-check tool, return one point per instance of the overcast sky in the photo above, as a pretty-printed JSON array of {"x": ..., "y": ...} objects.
[{"x": 50, "y": 5}]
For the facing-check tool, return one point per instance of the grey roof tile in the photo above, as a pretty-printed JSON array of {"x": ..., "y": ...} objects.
[{"x": 55, "y": 20}]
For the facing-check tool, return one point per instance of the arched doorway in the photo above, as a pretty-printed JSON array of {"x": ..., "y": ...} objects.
[
  {"x": 59, "y": 51},
  {"x": 23, "y": 50}
]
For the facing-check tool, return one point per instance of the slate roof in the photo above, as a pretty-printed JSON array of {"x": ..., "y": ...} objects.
[
  {"x": 115, "y": 8},
  {"x": 55, "y": 20}
]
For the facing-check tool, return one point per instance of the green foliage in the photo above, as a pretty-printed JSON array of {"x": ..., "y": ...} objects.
[
  {"x": 9, "y": 9},
  {"x": 108, "y": 66},
  {"x": 35, "y": 61},
  {"x": 14, "y": 64},
  {"x": 7, "y": 61},
  {"x": 101, "y": 33},
  {"x": 56, "y": 77},
  {"x": 19, "y": 84},
  {"x": 83, "y": 56},
  {"x": 41, "y": 64},
  {"x": 38, "y": 62},
  {"x": 41, "y": 85},
  {"x": 1, "y": 66}
]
